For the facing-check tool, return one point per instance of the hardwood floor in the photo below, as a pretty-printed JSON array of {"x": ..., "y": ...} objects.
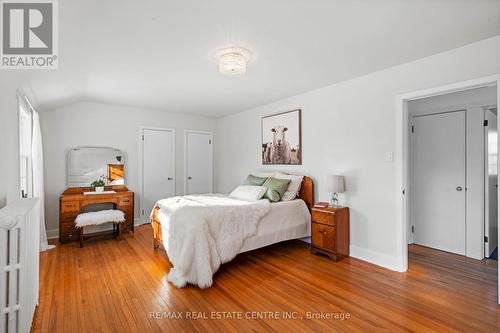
[{"x": 111, "y": 286}]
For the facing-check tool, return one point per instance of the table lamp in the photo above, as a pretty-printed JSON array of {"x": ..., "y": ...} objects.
[{"x": 337, "y": 185}]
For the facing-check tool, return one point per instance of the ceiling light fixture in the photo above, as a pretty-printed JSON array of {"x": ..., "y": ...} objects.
[{"x": 233, "y": 60}]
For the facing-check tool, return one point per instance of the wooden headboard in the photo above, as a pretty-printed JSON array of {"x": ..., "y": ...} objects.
[{"x": 306, "y": 192}]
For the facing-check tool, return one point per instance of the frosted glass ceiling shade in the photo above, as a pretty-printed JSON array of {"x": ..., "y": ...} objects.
[
  {"x": 336, "y": 183},
  {"x": 233, "y": 60}
]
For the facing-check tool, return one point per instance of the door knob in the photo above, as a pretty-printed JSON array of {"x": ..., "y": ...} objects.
[
  {"x": 169, "y": 178},
  {"x": 459, "y": 188},
  {"x": 190, "y": 177}
]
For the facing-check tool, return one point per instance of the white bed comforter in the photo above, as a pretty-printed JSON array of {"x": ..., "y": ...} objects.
[{"x": 205, "y": 231}]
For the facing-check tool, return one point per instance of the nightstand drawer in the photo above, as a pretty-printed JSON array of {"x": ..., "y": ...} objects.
[
  {"x": 323, "y": 236},
  {"x": 323, "y": 217}
]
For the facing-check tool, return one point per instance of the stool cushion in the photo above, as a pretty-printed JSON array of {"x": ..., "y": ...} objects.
[{"x": 100, "y": 217}]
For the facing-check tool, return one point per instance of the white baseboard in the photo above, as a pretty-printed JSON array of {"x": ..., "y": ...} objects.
[
  {"x": 376, "y": 258},
  {"x": 52, "y": 233},
  {"x": 372, "y": 257}
]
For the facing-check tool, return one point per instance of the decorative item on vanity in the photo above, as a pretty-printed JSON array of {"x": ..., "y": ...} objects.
[
  {"x": 336, "y": 185},
  {"x": 281, "y": 138},
  {"x": 233, "y": 60},
  {"x": 99, "y": 184}
]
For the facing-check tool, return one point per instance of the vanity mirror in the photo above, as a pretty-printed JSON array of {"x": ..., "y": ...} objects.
[{"x": 88, "y": 164}]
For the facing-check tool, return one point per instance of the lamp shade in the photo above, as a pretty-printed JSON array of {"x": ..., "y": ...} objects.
[{"x": 336, "y": 183}]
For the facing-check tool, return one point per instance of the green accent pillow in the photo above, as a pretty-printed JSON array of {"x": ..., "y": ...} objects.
[
  {"x": 275, "y": 188},
  {"x": 254, "y": 181}
]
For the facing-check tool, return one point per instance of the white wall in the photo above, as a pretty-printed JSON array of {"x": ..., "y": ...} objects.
[
  {"x": 472, "y": 101},
  {"x": 94, "y": 124},
  {"x": 347, "y": 128}
]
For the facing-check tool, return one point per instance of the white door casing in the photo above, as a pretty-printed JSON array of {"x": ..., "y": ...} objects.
[
  {"x": 158, "y": 167},
  {"x": 403, "y": 203},
  {"x": 491, "y": 183},
  {"x": 439, "y": 181},
  {"x": 198, "y": 162}
]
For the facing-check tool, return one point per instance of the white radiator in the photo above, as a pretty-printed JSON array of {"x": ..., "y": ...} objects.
[{"x": 19, "y": 263}]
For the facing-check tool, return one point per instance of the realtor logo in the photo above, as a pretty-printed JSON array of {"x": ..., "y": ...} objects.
[{"x": 29, "y": 34}]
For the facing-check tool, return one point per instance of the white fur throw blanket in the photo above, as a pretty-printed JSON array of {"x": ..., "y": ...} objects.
[
  {"x": 201, "y": 232},
  {"x": 100, "y": 217}
]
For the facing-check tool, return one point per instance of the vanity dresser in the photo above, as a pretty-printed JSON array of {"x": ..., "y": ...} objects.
[
  {"x": 85, "y": 166},
  {"x": 74, "y": 199}
]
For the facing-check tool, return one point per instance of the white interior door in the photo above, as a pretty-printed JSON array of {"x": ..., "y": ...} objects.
[
  {"x": 439, "y": 181},
  {"x": 199, "y": 162},
  {"x": 491, "y": 183},
  {"x": 158, "y": 167}
]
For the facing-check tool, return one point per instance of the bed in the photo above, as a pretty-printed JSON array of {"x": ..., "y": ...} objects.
[
  {"x": 284, "y": 220},
  {"x": 306, "y": 194}
]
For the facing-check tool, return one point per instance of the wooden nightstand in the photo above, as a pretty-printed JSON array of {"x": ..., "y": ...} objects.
[{"x": 330, "y": 232}]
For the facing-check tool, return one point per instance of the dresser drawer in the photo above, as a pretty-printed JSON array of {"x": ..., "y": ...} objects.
[
  {"x": 125, "y": 202},
  {"x": 70, "y": 207},
  {"x": 127, "y": 210},
  {"x": 68, "y": 227},
  {"x": 129, "y": 213},
  {"x": 323, "y": 236},
  {"x": 323, "y": 217},
  {"x": 68, "y": 233},
  {"x": 71, "y": 217}
]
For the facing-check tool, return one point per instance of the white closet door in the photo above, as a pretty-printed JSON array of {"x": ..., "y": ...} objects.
[
  {"x": 158, "y": 168},
  {"x": 439, "y": 181},
  {"x": 199, "y": 162}
]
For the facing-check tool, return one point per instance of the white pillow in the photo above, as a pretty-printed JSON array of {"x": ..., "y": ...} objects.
[
  {"x": 248, "y": 192},
  {"x": 293, "y": 188}
]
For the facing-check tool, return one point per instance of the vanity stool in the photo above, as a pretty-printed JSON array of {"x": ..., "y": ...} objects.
[{"x": 117, "y": 217}]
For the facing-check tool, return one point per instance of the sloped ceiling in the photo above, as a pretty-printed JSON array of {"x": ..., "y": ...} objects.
[{"x": 159, "y": 53}]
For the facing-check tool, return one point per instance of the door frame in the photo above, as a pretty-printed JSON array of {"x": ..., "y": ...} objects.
[
  {"x": 186, "y": 132},
  {"x": 486, "y": 181},
  {"x": 402, "y": 156},
  {"x": 141, "y": 164}
]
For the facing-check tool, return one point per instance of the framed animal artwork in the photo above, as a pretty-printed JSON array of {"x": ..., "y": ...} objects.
[{"x": 281, "y": 138}]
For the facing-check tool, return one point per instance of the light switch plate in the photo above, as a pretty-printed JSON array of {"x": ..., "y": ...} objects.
[{"x": 389, "y": 156}]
